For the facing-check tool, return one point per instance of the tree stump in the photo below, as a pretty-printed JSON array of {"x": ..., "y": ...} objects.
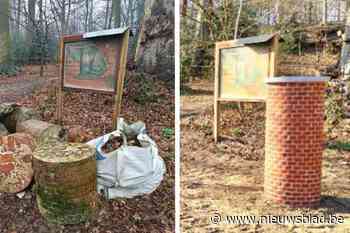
[
  {"x": 41, "y": 130},
  {"x": 16, "y": 171},
  {"x": 65, "y": 175},
  {"x": 18, "y": 115}
]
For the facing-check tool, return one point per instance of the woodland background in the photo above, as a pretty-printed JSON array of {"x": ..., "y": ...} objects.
[
  {"x": 205, "y": 21},
  {"x": 30, "y": 29},
  {"x": 29, "y": 76}
]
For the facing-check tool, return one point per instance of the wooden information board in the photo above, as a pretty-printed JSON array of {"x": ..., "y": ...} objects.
[
  {"x": 94, "y": 61},
  {"x": 241, "y": 68}
]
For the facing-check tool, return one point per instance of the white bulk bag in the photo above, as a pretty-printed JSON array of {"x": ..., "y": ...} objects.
[{"x": 130, "y": 170}]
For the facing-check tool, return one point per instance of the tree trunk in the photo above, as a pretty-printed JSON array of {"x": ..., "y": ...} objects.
[
  {"x": 87, "y": 15},
  {"x": 277, "y": 12},
  {"x": 310, "y": 12},
  {"x": 324, "y": 14},
  {"x": 31, "y": 23},
  {"x": 237, "y": 19},
  {"x": 107, "y": 14},
  {"x": 347, "y": 23},
  {"x": 18, "y": 16},
  {"x": 91, "y": 23},
  {"x": 41, "y": 37},
  {"x": 63, "y": 19},
  {"x": 338, "y": 10},
  {"x": 344, "y": 60},
  {"x": 155, "y": 50},
  {"x": 116, "y": 8},
  {"x": 4, "y": 31},
  {"x": 140, "y": 14},
  {"x": 184, "y": 8},
  {"x": 131, "y": 13}
]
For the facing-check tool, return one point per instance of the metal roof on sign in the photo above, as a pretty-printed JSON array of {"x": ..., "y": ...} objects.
[
  {"x": 255, "y": 39},
  {"x": 102, "y": 33}
]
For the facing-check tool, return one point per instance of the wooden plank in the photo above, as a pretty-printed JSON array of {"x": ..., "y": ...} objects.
[
  {"x": 216, "y": 130},
  {"x": 60, "y": 87},
  {"x": 240, "y": 100},
  {"x": 87, "y": 90},
  {"x": 73, "y": 38},
  {"x": 120, "y": 78}
]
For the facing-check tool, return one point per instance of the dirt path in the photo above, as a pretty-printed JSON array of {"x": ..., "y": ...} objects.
[
  {"x": 14, "y": 88},
  {"x": 227, "y": 178}
]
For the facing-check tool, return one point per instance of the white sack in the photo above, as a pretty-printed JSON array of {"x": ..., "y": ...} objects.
[{"x": 130, "y": 170}]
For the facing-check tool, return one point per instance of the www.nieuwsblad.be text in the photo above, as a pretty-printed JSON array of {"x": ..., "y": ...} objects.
[{"x": 218, "y": 218}]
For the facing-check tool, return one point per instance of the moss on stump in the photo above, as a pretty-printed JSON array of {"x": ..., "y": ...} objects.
[{"x": 65, "y": 175}]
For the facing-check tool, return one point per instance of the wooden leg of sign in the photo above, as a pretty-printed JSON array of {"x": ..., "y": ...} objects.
[
  {"x": 216, "y": 130},
  {"x": 116, "y": 112},
  {"x": 240, "y": 109},
  {"x": 60, "y": 87},
  {"x": 120, "y": 80},
  {"x": 216, "y": 120},
  {"x": 59, "y": 105}
]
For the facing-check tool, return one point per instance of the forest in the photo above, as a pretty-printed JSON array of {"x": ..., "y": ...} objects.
[
  {"x": 125, "y": 46},
  {"x": 34, "y": 28}
]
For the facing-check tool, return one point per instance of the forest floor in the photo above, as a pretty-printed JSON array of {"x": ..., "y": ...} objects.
[
  {"x": 227, "y": 178},
  {"x": 146, "y": 99},
  {"x": 15, "y": 87}
]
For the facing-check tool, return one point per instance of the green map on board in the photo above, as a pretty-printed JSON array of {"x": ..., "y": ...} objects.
[{"x": 92, "y": 62}]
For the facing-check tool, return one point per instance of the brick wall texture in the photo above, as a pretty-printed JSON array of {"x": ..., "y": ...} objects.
[{"x": 294, "y": 143}]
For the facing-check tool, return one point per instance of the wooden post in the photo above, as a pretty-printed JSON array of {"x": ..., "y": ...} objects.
[
  {"x": 60, "y": 87},
  {"x": 216, "y": 95},
  {"x": 120, "y": 78},
  {"x": 273, "y": 56}
]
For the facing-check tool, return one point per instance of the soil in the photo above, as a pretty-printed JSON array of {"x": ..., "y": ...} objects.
[
  {"x": 227, "y": 178},
  {"x": 92, "y": 113}
]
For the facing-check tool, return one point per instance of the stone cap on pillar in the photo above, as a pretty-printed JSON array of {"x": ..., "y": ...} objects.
[{"x": 296, "y": 79}]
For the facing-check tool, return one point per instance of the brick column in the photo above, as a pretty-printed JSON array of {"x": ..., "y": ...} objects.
[{"x": 294, "y": 140}]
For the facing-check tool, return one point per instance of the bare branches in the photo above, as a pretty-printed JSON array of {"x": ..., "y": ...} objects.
[{"x": 237, "y": 19}]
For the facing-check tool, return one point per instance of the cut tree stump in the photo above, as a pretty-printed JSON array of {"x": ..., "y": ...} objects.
[
  {"x": 16, "y": 172},
  {"x": 41, "y": 130},
  {"x": 18, "y": 115},
  {"x": 65, "y": 175}
]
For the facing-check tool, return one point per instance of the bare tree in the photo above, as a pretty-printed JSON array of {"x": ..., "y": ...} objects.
[
  {"x": 238, "y": 17},
  {"x": 31, "y": 22},
  {"x": 4, "y": 31},
  {"x": 324, "y": 14},
  {"x": 107, "y": 14},
  {"x": 18, "y": 15},
  {"x": 116, "y": 8}
]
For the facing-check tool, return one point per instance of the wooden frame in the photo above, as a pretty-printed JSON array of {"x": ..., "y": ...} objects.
[
  {"x": 270, "y": 41},
  {"x": 121, "y": 34}
]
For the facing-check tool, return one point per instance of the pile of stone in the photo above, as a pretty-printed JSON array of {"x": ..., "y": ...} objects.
[{"x": 21, "y": 132}]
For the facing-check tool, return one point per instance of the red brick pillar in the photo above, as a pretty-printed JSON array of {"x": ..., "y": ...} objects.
[{"x": 294, "y": 140}]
